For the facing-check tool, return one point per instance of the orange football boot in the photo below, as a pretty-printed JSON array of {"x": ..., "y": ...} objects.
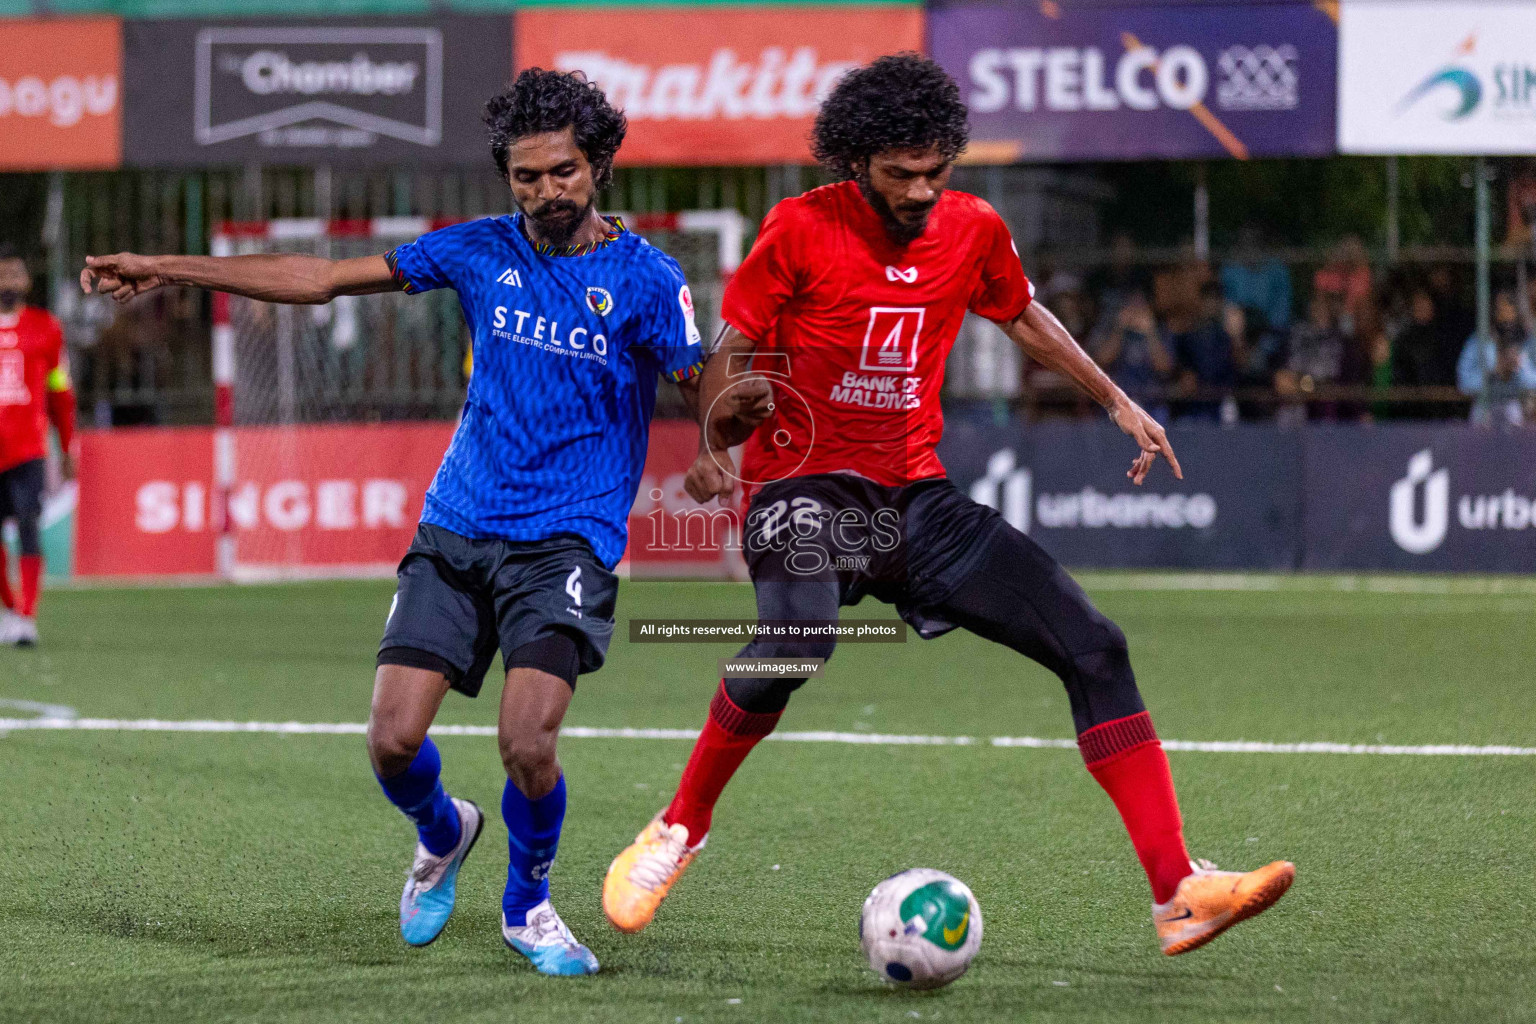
[
  {"x": 1208, "y": 902},
  {"x": 640, "y": 877}
]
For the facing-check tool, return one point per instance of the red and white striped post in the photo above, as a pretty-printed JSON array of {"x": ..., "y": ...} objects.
[{"x": 223, "y": 420}]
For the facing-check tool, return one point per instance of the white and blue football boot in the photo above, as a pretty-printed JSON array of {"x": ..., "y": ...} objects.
[
  {"x": 547, "y": 942},
  {"x": 429, "y": 887}
]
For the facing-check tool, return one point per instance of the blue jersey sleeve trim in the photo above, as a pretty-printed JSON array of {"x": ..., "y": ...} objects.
[
  {"x": 393, "y": 259},
  {"x": 678, "y": 376}
]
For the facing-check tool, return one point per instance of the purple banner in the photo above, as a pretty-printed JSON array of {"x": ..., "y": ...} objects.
[{"x": 1052, "y": 81}]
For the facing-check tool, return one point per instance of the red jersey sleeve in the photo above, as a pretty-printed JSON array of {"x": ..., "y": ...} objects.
[
  {"x": 766, "y": 279},
  {"x": 1002, "y": 291}
]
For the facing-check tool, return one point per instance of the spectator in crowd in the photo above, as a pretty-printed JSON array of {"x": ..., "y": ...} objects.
[
  {"x": 1258, "y": 285},
  {"x": 1051, "y": 278},
  {"x": 1133, "y": 353},
  {"x": 1498, "y": 371},
  {"x": 1052, "y": 393},
  {"x": 1206, "y": 362},
  {"x": 1114, "y": 284},
  {"x": 1455, "y": 315},
  {"x": 1321, "y": 354},
  {"x": 1347, "y": 274},
  {"x": 1419, "y": 353},
  {"x": 1522, "y": 207}
]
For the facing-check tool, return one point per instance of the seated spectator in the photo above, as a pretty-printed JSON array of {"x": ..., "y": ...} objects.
[
  {"x": 1348, "y": 275},
  {"x": 1133, "y": 353},
  {"x": 1112, "y": 285},
  {"x": 1419, "y": 358},
  {"x": 1206, "y": 361},
  {"x": 1318, "y": 349},
  {"x": 1051, "y": 393},
  {"x": 1257, "y": 284},
  {"x": 1499, "y": 371}
]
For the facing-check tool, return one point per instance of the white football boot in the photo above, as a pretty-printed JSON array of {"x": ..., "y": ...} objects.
[{"x": 547, "y": 942}]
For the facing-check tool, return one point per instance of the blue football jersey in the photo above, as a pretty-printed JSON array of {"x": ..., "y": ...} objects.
[{"x": 567, "y": 350}]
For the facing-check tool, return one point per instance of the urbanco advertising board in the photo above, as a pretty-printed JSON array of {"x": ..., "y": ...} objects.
[{"x": 1065, "y": 485}]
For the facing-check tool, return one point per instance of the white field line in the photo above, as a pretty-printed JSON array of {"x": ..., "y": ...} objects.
[
  {"x": 854, "y": 738},
  {"x": 1111, "y": 580}
]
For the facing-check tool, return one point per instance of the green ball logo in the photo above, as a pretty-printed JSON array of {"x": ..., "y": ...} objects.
[{"x": 941, "y": 910}]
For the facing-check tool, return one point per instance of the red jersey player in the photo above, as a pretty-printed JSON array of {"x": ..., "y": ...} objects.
[
  {"x": 34, "y": 388},
  {"x": 849, "y": 303}
]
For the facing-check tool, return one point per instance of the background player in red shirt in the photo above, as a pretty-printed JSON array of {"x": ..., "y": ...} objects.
[
  {"x": 850, "y": 301},
  {"x": 34, "y": 388}
]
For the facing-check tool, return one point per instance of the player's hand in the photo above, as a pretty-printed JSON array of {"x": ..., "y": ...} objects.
[
  {"x": 1148, "y": 434},
  {"x": 713, "y": 474},
  {"x": 750, "y": 403},
  {"x": 67, "y": 466},
  {"x": 122, "y": 275}
]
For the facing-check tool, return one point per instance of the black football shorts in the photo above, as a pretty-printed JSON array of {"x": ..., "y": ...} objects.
[
  {"x": 460, "y": 599},
  {"x": 21, "y": 498},
  {"x": 911, "y": 546}
]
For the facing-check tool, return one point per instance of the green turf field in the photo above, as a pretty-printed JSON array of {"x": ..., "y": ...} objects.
[{"x": 154, "y": 876}]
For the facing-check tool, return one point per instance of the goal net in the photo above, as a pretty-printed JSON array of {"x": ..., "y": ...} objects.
[{"x": 330, "y": 420}]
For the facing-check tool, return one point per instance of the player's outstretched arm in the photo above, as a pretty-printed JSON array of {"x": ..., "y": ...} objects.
[
  {"x": 1042, "y": 337},
  {"x": 731, "y": 404},
  {"x": 287, "y": 278}
]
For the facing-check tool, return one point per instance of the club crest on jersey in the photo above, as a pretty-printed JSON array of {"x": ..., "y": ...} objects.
[
  {"x": 891, "y": 339},
  {"x": 510, "y": 277},
  {"x": 904, "y": 274},
  {"x": 685, "y": 302},
  {"x": 599, "y": 300}
]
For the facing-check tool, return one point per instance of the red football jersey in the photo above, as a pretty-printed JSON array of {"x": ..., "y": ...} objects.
[
  {"x": 31, "y": 348},
  {"x": 854, "y": 331}
]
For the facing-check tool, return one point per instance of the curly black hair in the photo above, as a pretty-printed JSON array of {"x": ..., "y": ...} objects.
[
  {"x": 901, "y": 101},
  {"x": 549, "y": 101}
]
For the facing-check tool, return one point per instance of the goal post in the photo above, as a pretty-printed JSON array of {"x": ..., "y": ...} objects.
[{"x": 329, "y": 421}]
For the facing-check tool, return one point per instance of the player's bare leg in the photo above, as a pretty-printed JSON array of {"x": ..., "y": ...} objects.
[
  {"x": 533, "y": 704},
  {"x": 407, "y": 764}
]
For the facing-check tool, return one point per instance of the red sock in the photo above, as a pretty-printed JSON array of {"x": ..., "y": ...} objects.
[
  {"x": 727, "y": 739},
  {"x": 6, "y": 597},
  {"x": 1128, "y": 761},
  {"x": 31, "y": 580}
]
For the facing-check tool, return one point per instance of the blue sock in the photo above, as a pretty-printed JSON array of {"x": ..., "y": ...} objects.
[
  {"x": 418, "y": 793},
  {"x": 533, "y": 835}
]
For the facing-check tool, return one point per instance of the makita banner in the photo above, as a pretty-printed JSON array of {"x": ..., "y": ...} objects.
[
  {"x": 726, "y": 85},
  {"x": 1238, "y": 506},
  {"x": 344, "y": 91},
  {"x": 1061, "y": 81},
  {"x": 1442, "y": 499}
]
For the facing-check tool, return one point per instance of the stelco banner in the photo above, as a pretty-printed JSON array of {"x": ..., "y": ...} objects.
[
  {"x": 353, "y": 91},
  {"x": 60, "y": 94},
  {"x": 1180, "y": 81},
  {"x": 1433, "y": 77},
  {"x": 719, "y": 86}
]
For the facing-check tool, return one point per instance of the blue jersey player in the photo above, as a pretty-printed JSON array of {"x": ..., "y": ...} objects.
[{"x": 572, "y": 319}]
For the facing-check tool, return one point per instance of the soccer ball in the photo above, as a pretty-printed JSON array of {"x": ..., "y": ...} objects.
[{"x": 920, "y": 928}]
